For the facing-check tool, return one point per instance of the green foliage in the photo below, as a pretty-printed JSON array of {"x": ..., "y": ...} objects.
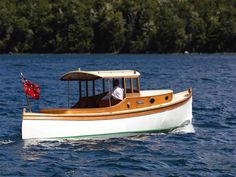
[
  {"x": 108, "y": 28},
  {"x": 117, "y": 26}
]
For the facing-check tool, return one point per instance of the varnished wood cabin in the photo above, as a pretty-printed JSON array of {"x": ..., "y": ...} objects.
[{"x": 91, "y": 102}]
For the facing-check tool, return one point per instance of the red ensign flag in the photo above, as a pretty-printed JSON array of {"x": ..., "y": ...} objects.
[{"x": 30, "y": 88}]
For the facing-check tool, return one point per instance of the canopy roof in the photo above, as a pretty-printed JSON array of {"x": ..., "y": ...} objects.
[{"x": 93, "y": 75}]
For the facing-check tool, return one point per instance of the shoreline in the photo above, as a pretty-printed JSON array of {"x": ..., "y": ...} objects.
[{"x": 194, "y": 53}]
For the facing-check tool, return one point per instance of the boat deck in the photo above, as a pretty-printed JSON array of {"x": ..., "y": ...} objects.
[
  {"x": 144, "y": 93},
  {"x": 178, "y": 97}
]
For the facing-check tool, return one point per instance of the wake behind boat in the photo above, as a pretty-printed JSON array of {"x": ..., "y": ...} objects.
[{"x": 125, "y": 109}]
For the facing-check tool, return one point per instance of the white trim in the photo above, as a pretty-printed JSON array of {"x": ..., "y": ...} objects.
[{"x": 91, "y": 75}]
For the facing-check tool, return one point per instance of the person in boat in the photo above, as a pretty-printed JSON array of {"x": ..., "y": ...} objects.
[{"x": 117, "y": 93}]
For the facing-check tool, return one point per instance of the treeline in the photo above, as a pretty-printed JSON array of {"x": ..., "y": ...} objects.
[{"x": 117, "y": 26}]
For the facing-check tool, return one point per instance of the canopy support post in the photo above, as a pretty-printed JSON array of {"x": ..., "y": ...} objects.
[
  {"x": 28, "y": 103},
  {"x": 131, "y": 85},
  {"x": 109, "y": 92},
  {"x": 86, "y": 88},
  {"x": 124, "y": 86},
  {"x": 68, "y": 90},
  {"x": 80, "y": 89},
  {"x": 103, "y": 85},
  {"x": 93, "y": 87}
]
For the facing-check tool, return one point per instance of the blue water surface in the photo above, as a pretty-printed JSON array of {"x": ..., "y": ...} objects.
[{"x": 209, "y": 151}]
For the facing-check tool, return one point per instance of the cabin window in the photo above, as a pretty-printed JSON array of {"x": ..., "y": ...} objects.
[
  {"x": 128, "y": 85},
  {"x": 136, "y": 85},
  {"x": 90, "y": 88},
  {"x": 86, "y": 88},
  {"x": 98, "y": 86},
  {"x": 93, "y": 87},
  {"x": 120, "y": 83},
  {"x": 83, "y": 91},
  {"x": 109, "y": 85},
  {"x": 132, "y": 85}
]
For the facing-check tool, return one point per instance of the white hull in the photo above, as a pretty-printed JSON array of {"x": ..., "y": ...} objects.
[{"x": 79, "y": 129}]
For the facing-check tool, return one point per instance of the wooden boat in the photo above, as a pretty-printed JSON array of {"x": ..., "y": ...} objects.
[{"x": 139, "y": 111}]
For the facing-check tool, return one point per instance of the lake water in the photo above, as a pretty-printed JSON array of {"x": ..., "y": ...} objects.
[{"x": 206, "y": 149}]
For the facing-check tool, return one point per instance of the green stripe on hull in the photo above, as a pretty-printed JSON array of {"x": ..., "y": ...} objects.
[{"x": 119, "y": 134}]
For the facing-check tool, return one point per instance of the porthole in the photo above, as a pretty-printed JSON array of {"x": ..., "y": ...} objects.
[
  {"x": 152, "y": 100},
  {"x": 166, "y": 97}
]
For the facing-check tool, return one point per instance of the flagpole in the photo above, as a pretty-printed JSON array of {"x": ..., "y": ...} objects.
[
  {"x": 26, "y": 96},
  {"x": 28, "y": 103},
  {"x": 68, "y": 89}
]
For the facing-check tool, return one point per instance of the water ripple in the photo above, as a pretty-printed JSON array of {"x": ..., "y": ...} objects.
[{"x": 204, "y": 148}]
